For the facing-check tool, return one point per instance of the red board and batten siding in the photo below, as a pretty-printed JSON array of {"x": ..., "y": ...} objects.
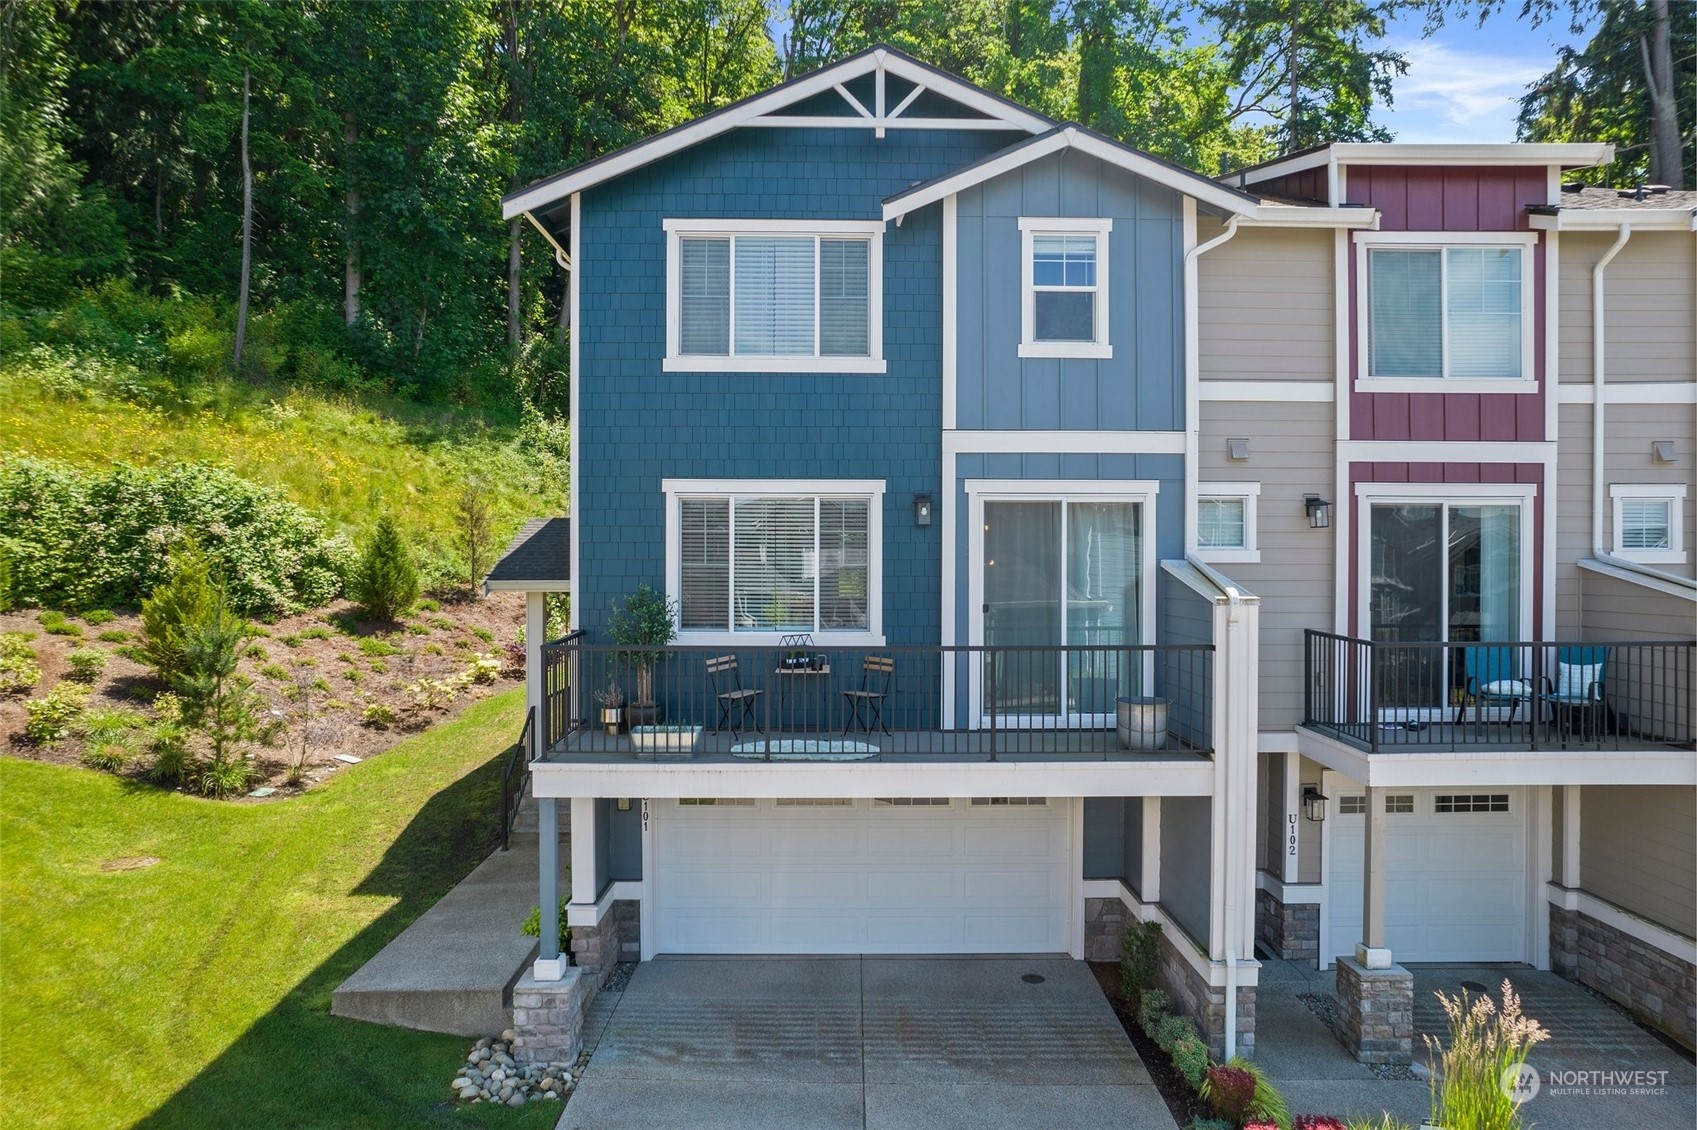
[
  {"x": 1450, "y": 200},
  {"x": 1439, "y": 474}
]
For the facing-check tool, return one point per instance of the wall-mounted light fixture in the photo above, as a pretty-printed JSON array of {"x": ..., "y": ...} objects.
[
  {"x": 1313, "y": 804},
  {"x": 624, "y": 804},
  {"x": 1237, "y": 450},
  {"x": 1319, "y": 512},
  {"x": 922, "y": 509},
  {"x": 1662, "y": 451}
]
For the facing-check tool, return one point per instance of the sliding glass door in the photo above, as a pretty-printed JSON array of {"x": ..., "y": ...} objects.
[
  {"x": 1065, "y": 576},
  {"x": 1440, "y": 572}
]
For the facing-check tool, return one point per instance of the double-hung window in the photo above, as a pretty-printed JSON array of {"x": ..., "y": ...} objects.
[
  {"x": 1456, "y": 312},
  {"x": 760, "y": 558},
  {"x": 1064, "y": 268},
  {"x": 1649, "y": 522},
  {"x": 773, "y": 296}
]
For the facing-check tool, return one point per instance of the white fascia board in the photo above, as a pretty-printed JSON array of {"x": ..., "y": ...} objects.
[
  {"x": 1669, "y": 584},
  {"x": 1287, "y": 216},
  {"x": 1070, "y": 138},
  {"x": 760, "y": 779},
  {"x": 527, "y": 586},
  {"x": 1573, "y": 156},
  {"x": 1610, "y": 219},
  {"x": 1005, "y": 115},
  {"x": 1500, "y": 768}
]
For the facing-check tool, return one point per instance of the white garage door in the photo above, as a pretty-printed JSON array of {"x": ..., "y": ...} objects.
[
  {"x": 1455, "y": 872},
  {"x": 903, "y": 875}
]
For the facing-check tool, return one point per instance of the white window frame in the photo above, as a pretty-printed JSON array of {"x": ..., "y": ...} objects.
[
  {"x": 1524, "y": 242},
  {"x": 1033, "y": 226},
  {"x": 872, "y": 490},
  {"x": 1674, "y": 496},
  {"x": 1249, "y": 494},
  {"x": 678, "y": 362}
]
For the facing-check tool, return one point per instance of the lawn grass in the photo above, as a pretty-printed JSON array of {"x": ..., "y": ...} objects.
[
  {"x": 345, "y": 459},
  {"x": 196, "y": 992}
]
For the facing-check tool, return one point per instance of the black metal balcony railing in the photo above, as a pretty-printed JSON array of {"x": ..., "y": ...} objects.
[
  {"x": 602, "y": 700},
  {"x": 515, "y": 773},
  {"x": 1410, "y": 697}
]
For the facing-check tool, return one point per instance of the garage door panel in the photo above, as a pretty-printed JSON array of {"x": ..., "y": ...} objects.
[
  {"x": 1455, "y": 887},
  {"x": 933, "y": 879}
]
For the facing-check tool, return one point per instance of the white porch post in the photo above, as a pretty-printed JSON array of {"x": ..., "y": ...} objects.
[
  {"x": 1570, "y": 837},
  {"x": 550, "y": 964},
  {"x": 1371, "y": 951},
  {"x": 1290, "y": 850},
  {"x": 583, "y": 852},
  {"x": 1149, "y": 882}
]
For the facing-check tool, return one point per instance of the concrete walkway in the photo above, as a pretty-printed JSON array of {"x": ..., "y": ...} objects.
[
  {"x": 879, "y": 1042},
  {"x": 453, "y": 969},
  {"x": 1300, "y": 1053}
]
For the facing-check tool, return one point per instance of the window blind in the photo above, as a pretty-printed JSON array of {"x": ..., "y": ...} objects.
[
  {"x": 705, "y": 296},
  {"x": 705, "y": 548},
  {"x": 1406, "y": 327},
  {"x": 843, "y": 287},
  {"x": 1220, "y": 523},
  {"x": 1483, "y": 326},
  {"x": 774, "y": 296},
  {"x": 1645, "y": 523},
  {"x": 776, "y": 563}
]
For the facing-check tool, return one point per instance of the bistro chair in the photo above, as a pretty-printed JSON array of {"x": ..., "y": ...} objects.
[
  {"x": 1493, "y": 678},
  {"x": 736, "y": 703},
  {"x": 1575, "y": 695},
  {"x": 877, "y": 675}
]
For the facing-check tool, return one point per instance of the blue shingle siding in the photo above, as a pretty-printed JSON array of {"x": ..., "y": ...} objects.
[
  {"x": 1142, "y": 386},
  {"x": 638, "y": 425}
]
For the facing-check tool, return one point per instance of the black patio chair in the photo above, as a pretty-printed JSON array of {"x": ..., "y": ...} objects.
[
  {"x": 736, "y": 702},
  {"x": 877, "y": 677}
]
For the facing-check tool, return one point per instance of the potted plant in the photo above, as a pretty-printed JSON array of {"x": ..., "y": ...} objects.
[
  {"x": 612, "y": 702},
  {"x": 644, "y": 623}
]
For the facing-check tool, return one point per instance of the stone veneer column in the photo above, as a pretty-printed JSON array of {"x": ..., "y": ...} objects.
[
  {"x": 1194, "y": 997},
  {"x": 548, "y": 1018},
  {"x": 1290, "y": 930},
  {"x": 1376, "y": 1007},
  {"x": 617, "y": 937},
  {"x": 1104, "y": 929}
]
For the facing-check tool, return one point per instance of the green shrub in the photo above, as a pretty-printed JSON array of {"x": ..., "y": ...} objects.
[
  {"x": 86, "y": 663},
  {"x": 316, "y": 632},
  {"x": 352, "y": 675},
  {"x": 1190, "y": 1060},
  {"x": 373, "y": 646},
  {"x": 1171, "y": 1030},
  {"x": 485, "y": 669},
  {"x": 378, "y": 667},
  {"x": 275, "y": 671},
  {"x": 133, "y": 652},
  {"x": 51, "y": 717},
  {"x": 291, "y": 640},
  {"x": 462, "y": 645},
  {"x": 215, "y": 778},
  {"x": 483, "y": 634},
  {"x": 168, "y": 741},
  {"x": 432, "y": 649},
  {"x": 108, "y": 739},
  {"x": 86, "y": 540},
  {"x": 113, "y": 635},
  {"x": 19, "y": 670},
  {"x": 442, "y": 622},
  {"x": 385, "y": 581},
  {"x": 257, "y": 651},
  {"x": 429, "y": 605},
  {"x": 1149, "y": 1013},
  {"x": 418, "y": 629},
  {"x": 186, "y": 598},
  {"x": 532, "y": 927},
  {"x": 378, "y": 715},
  {"x": 53, "y": 622},
  {"x": 1139, "y": 947},
  {"x": 1241, "y": 1092},
  {"x": 95, "y": 617}
]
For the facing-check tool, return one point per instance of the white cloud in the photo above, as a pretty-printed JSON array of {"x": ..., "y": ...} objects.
[{"x": 1457, "y": 95}]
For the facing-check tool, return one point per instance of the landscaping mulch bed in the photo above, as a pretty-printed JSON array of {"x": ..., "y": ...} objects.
[
  {"x": 323, "y": 644},
  {"x": 1185, "y": 1104}
]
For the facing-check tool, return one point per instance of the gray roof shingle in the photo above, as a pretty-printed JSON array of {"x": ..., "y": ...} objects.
[{"x": 539, "y": 558}]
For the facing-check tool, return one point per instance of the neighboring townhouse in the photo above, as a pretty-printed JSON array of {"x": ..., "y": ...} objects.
[
  {"x": 972, "y": 447},
  {"x": 1476, "y": 688}
]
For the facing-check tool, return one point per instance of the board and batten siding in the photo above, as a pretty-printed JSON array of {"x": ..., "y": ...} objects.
[
  {"x": 1113, "y": 840},
  {"x": 1638, "y": 850},
  {"x": 638, "y": 425},
  {"x": 1186, "y": 850},
  {"x": 1141, "y": 388},
  {"x": 1649, "y": 300},
  {"x": 1291, "y": 454},
  {"x": 1265, "y": 305}
]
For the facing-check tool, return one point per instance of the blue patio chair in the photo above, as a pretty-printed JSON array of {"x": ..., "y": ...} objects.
[
  {"x": 1579, "y": 682},
  {"x": 1493, "y": 678}
]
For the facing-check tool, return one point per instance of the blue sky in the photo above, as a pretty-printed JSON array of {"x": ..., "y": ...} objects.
[{"x": 1464, "y": 83}]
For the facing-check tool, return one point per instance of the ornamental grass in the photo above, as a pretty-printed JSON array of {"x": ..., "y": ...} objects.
[{"x": 1487, "y": 1046}]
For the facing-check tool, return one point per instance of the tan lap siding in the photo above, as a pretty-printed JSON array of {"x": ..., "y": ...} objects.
[
  {"x": 1265, "y": 306},
  {"x": 1638, "y": 850},
  {"x": 1651, "y": 303}
]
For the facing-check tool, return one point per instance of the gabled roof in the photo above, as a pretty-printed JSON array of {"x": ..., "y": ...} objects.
[
  {"x": 538, "y": 559},
  {"x": 994, "y": 111},
  {"x": 1205, "y": 190},
  {"x": 1590, "y": 208}
]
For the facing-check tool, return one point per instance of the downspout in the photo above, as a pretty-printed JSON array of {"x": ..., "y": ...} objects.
[
  {"x": 1597, "y": 368},
  {"x": 1193, "y": 379}
]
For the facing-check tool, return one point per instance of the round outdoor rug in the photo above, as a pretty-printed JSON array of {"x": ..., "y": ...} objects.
[{"x": 797, "y": 749}]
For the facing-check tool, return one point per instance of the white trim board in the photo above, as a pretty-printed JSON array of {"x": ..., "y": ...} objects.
[
  {"x": 1098, "y": 230},
  {"x": 1445, "y": 451},
  {"x": 1670, "y": 942},
  {"x": 1612, "y": 219},
  {"x": 1565, "y": 155},
  {"x": 1643, "y": 392},
  {"x": 1019, "y": 442},
  {"x": 1499, "y": 767}
]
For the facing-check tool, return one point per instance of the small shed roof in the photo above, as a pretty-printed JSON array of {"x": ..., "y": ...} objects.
[{"x": 538, "y": 559}]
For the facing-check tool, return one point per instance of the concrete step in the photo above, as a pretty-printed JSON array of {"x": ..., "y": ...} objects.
[{"x": 453, "y": 969}]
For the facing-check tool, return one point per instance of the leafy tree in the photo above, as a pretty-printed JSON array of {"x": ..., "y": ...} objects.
[{"x": 385, "y": 582}]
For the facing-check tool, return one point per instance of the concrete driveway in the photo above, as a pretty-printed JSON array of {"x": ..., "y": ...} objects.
[{"x": 874, "y": 1042}]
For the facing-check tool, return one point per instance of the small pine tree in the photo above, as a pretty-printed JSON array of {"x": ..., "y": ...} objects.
[
  {"x": 385, "y": 582},
  {"x": 216, "y": 700},
  {"x": 188, "y": 598}
]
